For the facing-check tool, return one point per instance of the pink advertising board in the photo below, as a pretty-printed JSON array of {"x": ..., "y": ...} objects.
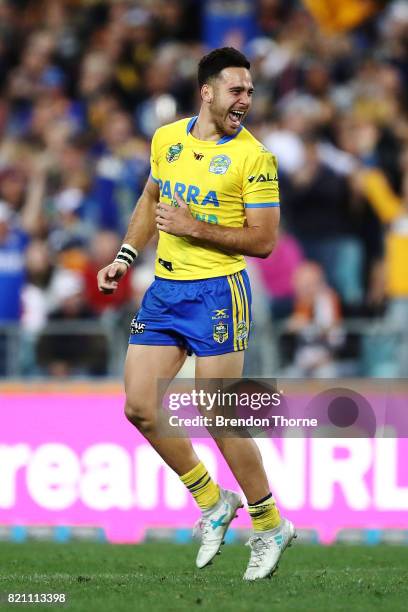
[{"x": 71, "y": 458}]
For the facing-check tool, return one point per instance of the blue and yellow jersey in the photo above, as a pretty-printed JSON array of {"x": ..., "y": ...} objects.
[{"x": 218, "y": 181}]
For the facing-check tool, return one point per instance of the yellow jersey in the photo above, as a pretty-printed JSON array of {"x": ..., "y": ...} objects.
[{"x": 218, "y": 181}]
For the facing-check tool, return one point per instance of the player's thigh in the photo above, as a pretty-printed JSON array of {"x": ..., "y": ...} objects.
[
  {"x": 145, "y": 365},
  {"x": 229, "y": 365}
]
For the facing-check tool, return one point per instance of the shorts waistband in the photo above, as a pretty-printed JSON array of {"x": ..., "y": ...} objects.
[{"x": 196, "y": 280}]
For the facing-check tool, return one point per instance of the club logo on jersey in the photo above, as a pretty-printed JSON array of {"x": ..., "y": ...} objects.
[
  {"x": 242, "y": 331},
  {"x": 219, "y": 164},
  {"x": 173, "y": 152},
  {"x": 136, "y": 327},
  {"x": 220, "y": 313},
  {"x": 220, "y": 332},
  {"x": 262, "y": 178},
  {"x": 198, "y": 156}
]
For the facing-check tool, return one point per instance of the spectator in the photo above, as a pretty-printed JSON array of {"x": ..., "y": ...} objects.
[
  {"x": 120, "y": 173},
  {"x": 314, "y": 324},
  {"x": 103, "y": 250},
  {"x": 393, "y": 212},
  {"x": 31, "y": 78},
  {"x": 71, "y": 353},
  {"x": 317, "y": 202},
  {"x": 13, "y": 242},
  {"x": 277, "y": 273},
  {"x": 12, "y": 187},
  {"x": 36, "y": 295},
  {"x": 36, "y": 302}
]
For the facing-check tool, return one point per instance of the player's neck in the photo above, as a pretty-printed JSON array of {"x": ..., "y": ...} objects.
[{"x": 205, "y": 129}]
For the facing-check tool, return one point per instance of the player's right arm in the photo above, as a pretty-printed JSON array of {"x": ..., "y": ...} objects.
[{"x": 141, "y": 229}]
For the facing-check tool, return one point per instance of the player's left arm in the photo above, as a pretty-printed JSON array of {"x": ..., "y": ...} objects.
[{"x": 257, "y": 238}]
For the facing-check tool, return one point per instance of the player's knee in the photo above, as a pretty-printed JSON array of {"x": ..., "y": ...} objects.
[
  {"x": 224, "y": 441},
  {"x": 141, "y": 417}
]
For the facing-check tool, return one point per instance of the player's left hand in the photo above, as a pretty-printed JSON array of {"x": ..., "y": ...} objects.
[{"x": 176, "y": 220}]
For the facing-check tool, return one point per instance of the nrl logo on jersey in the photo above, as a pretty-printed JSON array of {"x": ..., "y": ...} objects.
[
  {"x": 173, "y": 152},
  {"x": 219, "y": 164},
  {"x": 220, "y": 332}
]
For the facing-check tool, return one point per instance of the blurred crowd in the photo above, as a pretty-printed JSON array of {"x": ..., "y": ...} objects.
[{"x": 84, "y": 85}]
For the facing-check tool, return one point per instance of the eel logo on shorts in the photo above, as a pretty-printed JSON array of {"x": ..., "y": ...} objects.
[
  {"x": 242, "y": 331},
  {"x": 220, "y": 332},
  {"x": 136, "y": 327},
  {"x": 220, "y": 164},
  {"x": 173, "y": 152}
]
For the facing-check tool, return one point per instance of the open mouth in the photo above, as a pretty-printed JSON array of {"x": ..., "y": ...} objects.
[{"x": 236, "y": 117}]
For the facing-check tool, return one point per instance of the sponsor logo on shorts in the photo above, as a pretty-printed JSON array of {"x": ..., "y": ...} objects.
[
  {"x": 174, "y": 152},
  {"x": 136, "y": 327},
  {"x": 219, "y": 164},
  {"x": 242, "y": 331},
  {"x": 220, "y": 332},
  {"x": 220, "y": 313}
]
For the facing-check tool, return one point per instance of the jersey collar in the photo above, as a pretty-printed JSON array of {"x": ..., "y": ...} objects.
[{"x": 222, "y": 140}]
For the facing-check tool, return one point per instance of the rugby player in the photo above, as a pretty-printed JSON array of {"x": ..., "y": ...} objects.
[{"x": 213, "y": 195}]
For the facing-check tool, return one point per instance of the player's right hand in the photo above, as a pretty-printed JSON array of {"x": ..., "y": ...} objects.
[{"x": 109, "y": 276}]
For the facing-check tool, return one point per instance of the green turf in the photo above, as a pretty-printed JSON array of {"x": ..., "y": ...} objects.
[{"x": 162, "y": 577}]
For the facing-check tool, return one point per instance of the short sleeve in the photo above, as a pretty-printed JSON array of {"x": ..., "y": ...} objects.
[
  {"x": 154, "y": 165},
  {"x": 260, "y": 187}
]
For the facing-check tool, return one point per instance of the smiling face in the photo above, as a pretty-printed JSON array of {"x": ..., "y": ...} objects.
[{"x": 228, "y": 98}]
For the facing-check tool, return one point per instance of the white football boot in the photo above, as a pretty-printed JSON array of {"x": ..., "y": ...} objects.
[
  {"x": 267, "y": 548},
  {"x": 213, "y": 525}
]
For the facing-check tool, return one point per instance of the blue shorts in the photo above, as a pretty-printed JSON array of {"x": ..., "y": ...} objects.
[{"x": 206, "y": 317}]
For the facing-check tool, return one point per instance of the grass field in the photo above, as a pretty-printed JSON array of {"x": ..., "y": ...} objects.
[{"x": 162, "y": 577}]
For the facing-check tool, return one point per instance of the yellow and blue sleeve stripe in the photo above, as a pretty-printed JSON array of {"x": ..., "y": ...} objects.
[{"x": 261, "y": 204}]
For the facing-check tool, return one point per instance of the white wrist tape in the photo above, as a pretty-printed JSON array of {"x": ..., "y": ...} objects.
[{"x": 126, "y": 254}]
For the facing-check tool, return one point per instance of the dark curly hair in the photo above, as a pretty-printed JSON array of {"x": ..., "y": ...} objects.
[{"x": 211, "y": 65}]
